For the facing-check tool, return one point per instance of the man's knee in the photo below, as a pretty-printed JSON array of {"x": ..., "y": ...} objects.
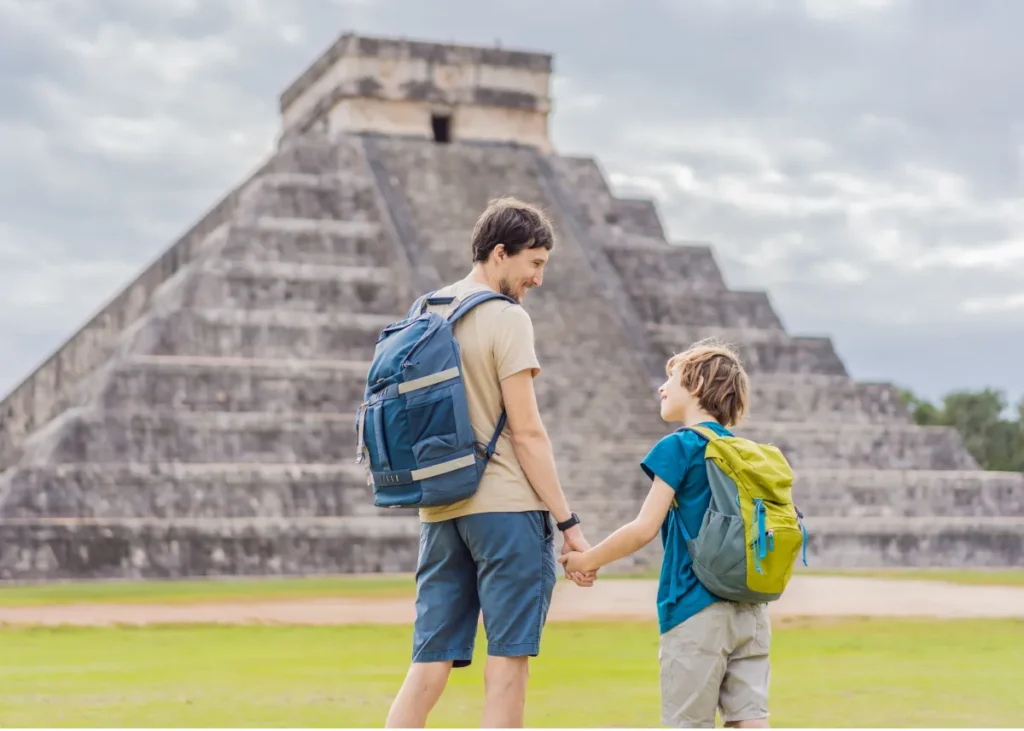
[
  {"x": 752, "y": 723},
  {"x": 428, "y": 679},
  {"x": 506, "y": 674}
]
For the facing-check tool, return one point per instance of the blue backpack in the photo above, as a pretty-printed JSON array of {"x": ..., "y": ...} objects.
[{"x": 413, "y": 425}]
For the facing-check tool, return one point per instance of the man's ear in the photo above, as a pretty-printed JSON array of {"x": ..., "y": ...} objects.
[{"x": 499, "y": 252}]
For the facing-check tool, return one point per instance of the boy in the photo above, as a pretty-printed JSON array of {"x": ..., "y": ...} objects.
[{"x": 713, "y": 653}]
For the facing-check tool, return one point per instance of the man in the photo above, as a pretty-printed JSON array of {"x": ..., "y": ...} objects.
[{"x": 494, "y": 551}]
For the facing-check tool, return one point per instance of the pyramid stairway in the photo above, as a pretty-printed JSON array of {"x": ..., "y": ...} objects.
[{"x": 202, "y": 423}]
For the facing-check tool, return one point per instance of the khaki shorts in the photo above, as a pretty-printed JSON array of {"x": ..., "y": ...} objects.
[{"x": 717, "y": 659}]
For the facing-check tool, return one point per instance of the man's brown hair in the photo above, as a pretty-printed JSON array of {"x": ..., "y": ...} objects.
[
  {"x": 515, "y": 224},
  {"x": 712, "y": 372}
]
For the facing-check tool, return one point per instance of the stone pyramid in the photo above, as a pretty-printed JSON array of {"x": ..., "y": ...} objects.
[{"x": 202, "y": 423}]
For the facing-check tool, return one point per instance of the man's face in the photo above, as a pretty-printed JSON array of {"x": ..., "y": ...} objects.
[{"x": 522, "y": 272}]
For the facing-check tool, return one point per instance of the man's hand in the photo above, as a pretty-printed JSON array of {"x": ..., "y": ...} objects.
[{"x": 575, "y": 542}]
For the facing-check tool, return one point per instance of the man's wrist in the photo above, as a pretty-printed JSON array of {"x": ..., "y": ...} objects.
[{"x": 572, "y": 521}]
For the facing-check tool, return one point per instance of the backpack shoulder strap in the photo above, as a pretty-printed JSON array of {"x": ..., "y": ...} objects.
[
  {"x": 475, "y": 299},
  {"x": 419, "y": 305},
  {"x": 703, "y": 431}
]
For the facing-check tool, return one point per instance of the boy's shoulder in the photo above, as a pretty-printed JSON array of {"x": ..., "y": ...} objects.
[
  {"x": 688, "y": 440},
  {"x": 675, "y": 453}
]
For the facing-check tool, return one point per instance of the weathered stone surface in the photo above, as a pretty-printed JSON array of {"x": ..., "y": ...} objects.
[
  {"x": 272, "y": 334},
  {"x": 762, "y": 351},
  {"x": 924, "y": 542},
  {"x": 189, "y": 383},
  {"x": 253, "y": 285},
  {"x": 909, "y": 493},
  {"x": 667, "y": 268},
  {"x": 804, "y": 397},
  {"x": 727, "y": 309},
  {"x": 858, "y": 446},
  {"x": 155, "y": 548},
  {"x": 635, "y": 216},
  {"x": 183, "y": 490},
  {"x": 178, "y": 436},
  {"x": 333, "y": 243}
]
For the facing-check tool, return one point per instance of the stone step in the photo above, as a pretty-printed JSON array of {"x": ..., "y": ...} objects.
[
  {"x": 647, "y": 263},
  {"x": 858, "y": 494},
  {"x": 315, "y": 155},
  {"x": 211, "y": 437},
  {"x": 664, "y": 303},
  {"x": 273, "y": 334},
  {"x": 910, "y": 493},
  {"x": 838, "y": 445},
  {"x": 821, "y": 398},
  {"x": 236, "y": 384},
  {"x": 309, "y": 241},
  {"x": 154, "y": 548},
  {"x": 860, "y": 446},
  {"x": 992, "y": 542},
  {"x": 255, "y": 285},
  {"x": 636, "y": 216},
  {"x": 761, "y": 350},
  {"x": 345, "y": 196},
  {"x": 176, "y": 490}
]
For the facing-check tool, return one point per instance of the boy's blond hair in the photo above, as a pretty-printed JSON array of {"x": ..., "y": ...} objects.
[{"x": 712, "y": 372}]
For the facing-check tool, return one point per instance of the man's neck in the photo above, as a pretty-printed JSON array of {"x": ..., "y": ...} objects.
[{"x": 478, "y": 275}]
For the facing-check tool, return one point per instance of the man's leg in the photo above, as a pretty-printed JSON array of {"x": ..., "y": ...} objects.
[
  {"x": 447, "y": 612},
  {"x": 516, "y": 576}
]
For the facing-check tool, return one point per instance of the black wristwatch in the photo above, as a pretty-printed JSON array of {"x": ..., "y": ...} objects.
[{"x": 573, "y": 520}]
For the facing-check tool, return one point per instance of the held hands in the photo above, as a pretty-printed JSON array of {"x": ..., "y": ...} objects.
[
  {"x": 572, "y": 549},
  {"x": 573, "y": 563}
]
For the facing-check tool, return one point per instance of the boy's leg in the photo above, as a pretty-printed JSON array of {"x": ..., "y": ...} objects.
[
  {"x": 692, "y": 657},
  {"x": 447, "y": 612},
  {"x": 744, "y": 698},
  {"x": 515, "y": 556}
]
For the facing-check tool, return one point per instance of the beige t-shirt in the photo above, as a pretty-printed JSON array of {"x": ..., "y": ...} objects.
[{"x": 495, "y": 341}]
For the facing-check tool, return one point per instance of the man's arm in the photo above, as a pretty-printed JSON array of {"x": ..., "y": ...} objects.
[
  {"x": 533, "y": 449},
  {"x": 631, "y": 537}
]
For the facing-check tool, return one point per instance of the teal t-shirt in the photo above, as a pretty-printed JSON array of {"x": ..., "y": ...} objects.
[{"x": 678, "y": 459}]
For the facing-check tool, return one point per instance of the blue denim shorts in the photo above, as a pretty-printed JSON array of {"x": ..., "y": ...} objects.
[{"x": 501, "y": 563}]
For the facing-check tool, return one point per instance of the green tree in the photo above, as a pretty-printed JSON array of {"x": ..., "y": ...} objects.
[{"x": 995, "y": 442}]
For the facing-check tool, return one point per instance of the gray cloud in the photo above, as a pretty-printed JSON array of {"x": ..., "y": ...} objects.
[{"x": 859, "y": 159}]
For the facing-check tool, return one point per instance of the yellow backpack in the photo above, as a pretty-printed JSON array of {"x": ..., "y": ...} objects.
[{"x": 752, "y": 533}]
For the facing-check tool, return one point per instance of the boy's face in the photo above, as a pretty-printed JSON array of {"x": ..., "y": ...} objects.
[{"x": 676, "y": 401}]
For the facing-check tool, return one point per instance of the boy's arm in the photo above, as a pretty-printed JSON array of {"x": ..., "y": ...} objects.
[{"x": 631, "y": 537}]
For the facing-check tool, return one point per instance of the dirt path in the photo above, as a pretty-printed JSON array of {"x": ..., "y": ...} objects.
[{"x": 807, "y": 596}]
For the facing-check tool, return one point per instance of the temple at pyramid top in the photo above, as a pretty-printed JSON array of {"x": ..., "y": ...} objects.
[{"x": 428, "y": 90}]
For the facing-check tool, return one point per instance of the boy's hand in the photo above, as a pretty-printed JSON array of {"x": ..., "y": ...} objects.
[
  {"x": 574, "y": 564},
  {"x": 573, "y": 540}
]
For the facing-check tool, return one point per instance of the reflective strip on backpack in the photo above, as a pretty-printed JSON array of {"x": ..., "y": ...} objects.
[
  {"x": 443, "y": 468},
  {"x": 426, "y": 381},
  {"x": 360, "y": 431}
]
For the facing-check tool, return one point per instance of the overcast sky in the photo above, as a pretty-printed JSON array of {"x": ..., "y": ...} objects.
[{"x": 859, "y": 159}]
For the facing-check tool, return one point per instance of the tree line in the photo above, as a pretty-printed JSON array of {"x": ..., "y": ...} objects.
[{"x": 995, "y": 440}]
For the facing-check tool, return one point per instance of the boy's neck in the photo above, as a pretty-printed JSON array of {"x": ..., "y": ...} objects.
[{"x": 699, "y": 418}]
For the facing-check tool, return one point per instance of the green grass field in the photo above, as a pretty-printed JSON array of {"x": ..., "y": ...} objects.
[
  {"x": 850, "y": 673},
  {"x": 255, "y": 590}
]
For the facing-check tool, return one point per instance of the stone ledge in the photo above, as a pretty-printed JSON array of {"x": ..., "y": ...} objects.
[
  {"x": 148, "y": 548},
  {"x": 167, "y": 492},
  {"x": 926, "y": 542}
]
